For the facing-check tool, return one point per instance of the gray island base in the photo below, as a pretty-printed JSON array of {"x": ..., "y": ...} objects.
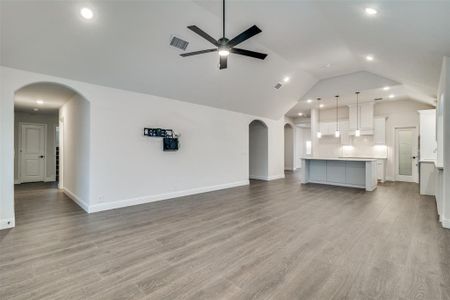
[{"x": 349, "y": 172}]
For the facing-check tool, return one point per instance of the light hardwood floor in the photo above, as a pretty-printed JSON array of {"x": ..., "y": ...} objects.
[{"x": 269, "y": 240}]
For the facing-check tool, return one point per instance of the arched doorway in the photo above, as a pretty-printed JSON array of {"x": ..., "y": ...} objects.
[
  {"x": 258, "y": 150},
  {"x": 51, "y": 139},
  {"x": 289, "y": 147}
]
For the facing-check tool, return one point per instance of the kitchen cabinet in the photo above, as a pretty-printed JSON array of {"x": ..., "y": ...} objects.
[
  {"x": 381, "y": 170},
  {"x": 379, "y": 136},
  {"x": 428, "y": 144},
  {"x": 327, "y": 128},
  {"x": 362, "y": 115}
]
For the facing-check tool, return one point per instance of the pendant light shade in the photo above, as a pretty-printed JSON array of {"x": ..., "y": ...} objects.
[
  {"x": 319, "y": 134},
  {"x": 357, "y": 131},
  {"x": 337, "y": 133}
]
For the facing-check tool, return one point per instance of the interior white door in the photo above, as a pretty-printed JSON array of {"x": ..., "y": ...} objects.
[
  {"x": 32, "y": 152},
  {"x": 406, "y": 154}
]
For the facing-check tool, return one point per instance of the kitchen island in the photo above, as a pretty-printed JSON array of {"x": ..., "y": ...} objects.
[{"x": 349, "y": 172}]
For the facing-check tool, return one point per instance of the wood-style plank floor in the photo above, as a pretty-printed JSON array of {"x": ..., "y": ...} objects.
[{"x": 269, "y": 240}]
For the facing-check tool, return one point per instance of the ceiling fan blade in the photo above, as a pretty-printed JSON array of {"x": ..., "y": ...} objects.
[
  {"x": 254, "y": 30},
  {"x": 248, "y": 53},
  {"x": 198, "y": 52},
  {"x": 203, "y": 35},
  {"x": 223, "y": 62}
]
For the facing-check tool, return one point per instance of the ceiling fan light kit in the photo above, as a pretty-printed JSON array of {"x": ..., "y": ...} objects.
[{"x": 225, "y": 46}]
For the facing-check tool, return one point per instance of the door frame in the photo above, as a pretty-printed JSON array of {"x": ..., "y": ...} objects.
[
  {"x": 19, "y": 149},
  {"x": 61, "y": 153},
  {"x": 415, "y": 169}
]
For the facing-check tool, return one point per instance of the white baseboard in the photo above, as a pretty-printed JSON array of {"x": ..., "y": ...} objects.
[
  {"x": 153, "y": 198},
  {"x": 76, "y": 199},
  {"x": 7, "y": 223},
  {"x": 267, "y": 178},
  {"x": 17, "y": 181},
  {"x": 445, "y": 223},
  {"x": 50, "y": 178}
]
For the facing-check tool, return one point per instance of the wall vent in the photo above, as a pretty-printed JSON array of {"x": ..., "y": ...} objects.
[
  {"x": 178, "y": 43},
  {"x": 378, "y": 99},
  {"x": 278, "y": 86}
]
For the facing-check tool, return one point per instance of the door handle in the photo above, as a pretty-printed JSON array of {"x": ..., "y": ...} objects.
[
  {"x": 413, "y": 157},
  {"x": 42, "y": 156}
]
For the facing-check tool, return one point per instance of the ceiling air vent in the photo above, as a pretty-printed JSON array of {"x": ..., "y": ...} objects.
[
  {"x": 277, "y": 86},
  {"x": 178, "y": 43},
  {"x": 378, "y": 99}
]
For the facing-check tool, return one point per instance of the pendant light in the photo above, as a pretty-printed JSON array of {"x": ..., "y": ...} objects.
[
  {"x": 357, "y": 131},
  {"x": 337, "y": 133},
  {"x": 319, "y": 134}
]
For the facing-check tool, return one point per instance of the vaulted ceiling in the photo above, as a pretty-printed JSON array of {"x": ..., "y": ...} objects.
[{"x": 126, "y": 46}]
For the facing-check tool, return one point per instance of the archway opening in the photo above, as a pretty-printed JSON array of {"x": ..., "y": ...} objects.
[
  {"x": 258, "y": 150},
  {"x": 51, "y": 142},
  {"x": 288, "y": 147}
]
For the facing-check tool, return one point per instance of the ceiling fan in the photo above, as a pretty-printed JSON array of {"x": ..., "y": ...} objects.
[{"x": 226, "y": 46}]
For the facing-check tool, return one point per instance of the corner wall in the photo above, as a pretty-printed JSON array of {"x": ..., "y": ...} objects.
[{"x": 75, "y": 149}]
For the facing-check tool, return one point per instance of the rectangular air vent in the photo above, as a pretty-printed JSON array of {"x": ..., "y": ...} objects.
[
  {"x": 178, "y": 43},
  {"x": 378, "y": 99},
  {"x": 277, "y": 86}
]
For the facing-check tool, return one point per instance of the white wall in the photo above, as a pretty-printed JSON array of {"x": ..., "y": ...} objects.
[
  {"x": 443, "y": 141},
  {"x": 258, "y": 150},
  {"x": 75, "y": 120},
  {"x": 51, "y": 120},
  {"x": 128, "y": 168}
]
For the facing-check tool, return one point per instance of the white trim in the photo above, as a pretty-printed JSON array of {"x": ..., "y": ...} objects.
[
  {"x": 267, "y": 178},
  {"x": 76, "y": 199},
  {"x": 50, "y": 178},
  {"x": 7, "y": 223},
  {"x": 153, "y": 198},
  {"x": 445, "y": 223}
]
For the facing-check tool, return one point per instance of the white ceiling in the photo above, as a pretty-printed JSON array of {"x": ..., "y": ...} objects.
[
  {"x": 53, "y": 95},
  {"x": 126, "y": 46}
]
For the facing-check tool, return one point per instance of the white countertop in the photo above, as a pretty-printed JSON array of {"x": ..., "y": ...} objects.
[{"x": 340, "y": 158}]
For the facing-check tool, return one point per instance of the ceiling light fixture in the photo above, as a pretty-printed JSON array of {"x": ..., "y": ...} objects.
[
  {"x": 391, "y": 96},
  {"x": 369, "y": 57},
  {"x": 86, "y": 13},
  {"x": 321, "y": 105},
  {"x": 357, "y": 131},
  {"x": 371, "y": 11},
  {"x": 300, "y": 114},
  {"x": 337, "y": 132},
  {"x": 309, "y": 100},
  {"x": 286, "y": 79},
  {"x": 39, "y": 101},
  {"x": 386, "y": 88},
  {"x": 224, "y": 52}
]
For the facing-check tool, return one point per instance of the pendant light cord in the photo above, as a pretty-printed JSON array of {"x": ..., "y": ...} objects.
[
  {"x": 223, "y": 18},
  {"x": 337, "y": 114},
  {"x": 357, "y": 110}
]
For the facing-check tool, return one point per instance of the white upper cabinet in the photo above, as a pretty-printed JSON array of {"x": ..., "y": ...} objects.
[
  {"x": 379, "y": 135},
  {"x": 428, "y": 144},
  {"x": 363, "y": 114}
]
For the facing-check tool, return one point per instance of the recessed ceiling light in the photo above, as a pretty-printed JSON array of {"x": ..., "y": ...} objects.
[
  {"x": 286, "y": 79},
  {"x": 86, "y": 13},
  {"x": 39, "y": 101},
  {"x": 369, "y": 57},
  {"x": 386, "y": 88},
  {"x": 321, "y": 105},
  {"x": 309, "y": 100},
  {"x": 371, "y": 11},
  {"x": 391, "y": 96},
  {"x": 35, "y": 109},
  {"x": 300, "y": 114}
]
